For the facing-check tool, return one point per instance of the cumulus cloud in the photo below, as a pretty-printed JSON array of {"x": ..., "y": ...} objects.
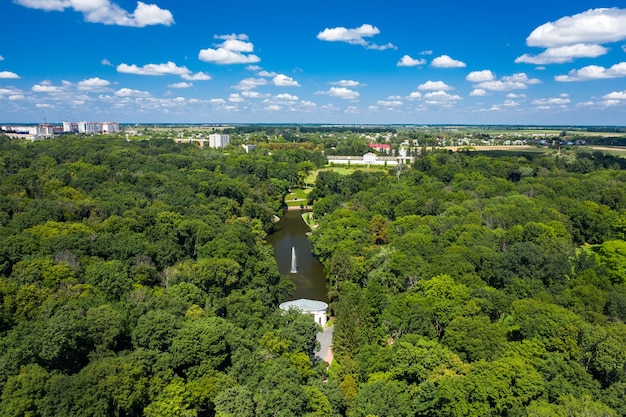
[
  {"x": 8, "y": 74},
  {"x": 198, "y": 76},
  {"x": 577, "y": 36},
  {"x": 235, "y": 98},
  {"x": 273, "y": 107},
  {"x": 389, "y": 103},
  {"x": 562, "y": 54},
  {"x": 254, "y": 94},
  {"x": 129, "y": 92},
  {"x": 347, "y": 83},
  {"x": 594, "y": 72},
  {"x": 236, "y": 49},
  {"x": 106, "y": 62},
  {"x": 282, "y": 80},
  {"x": 440, "y": 97},
  {"x": 517, "y": 81},
  {"x": 180, "y": 85},
  {"x": 596, "y": 26},
  {"x": 560, "y": 101},
  {"x": 354, "y": 36},
  {"x": 168, "y": 68},
  {"x": 434, "y": 85},
  {"x": 341, "y": 92},
  {"x": 106, "y": 12},
  {"x": 444, "y": 61},
  {"x": 285, "y": 96},
  {"x": 250, "y": 83},
  {"x": 407, "y": 61},
  {"x": 615, "y": 95},
  {"x": 478, "y": 92},
  {"x": 93, "y": 84},
  {"x": 480, "y": 76},
  {"x": 46, "y": 87},
  {"x": 414, "y": 95}
]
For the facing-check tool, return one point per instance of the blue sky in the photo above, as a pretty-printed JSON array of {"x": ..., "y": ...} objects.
[{"x": 412, "y": 62}]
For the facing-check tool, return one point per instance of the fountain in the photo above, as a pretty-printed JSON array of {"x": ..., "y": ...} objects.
[{"x": 294, "y": 267}]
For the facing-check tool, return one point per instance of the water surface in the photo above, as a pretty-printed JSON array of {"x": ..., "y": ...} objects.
[{"x": 310, "y": 278}]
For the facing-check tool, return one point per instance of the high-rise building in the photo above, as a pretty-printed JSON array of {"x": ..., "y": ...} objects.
[{"x": 218, "y": 140}]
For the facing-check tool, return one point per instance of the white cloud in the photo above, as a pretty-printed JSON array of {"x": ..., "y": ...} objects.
[
  {"x": 282, "y": 80},
  {"x": 577, "y": 36},
  {"x": 480, "y": 76},
  {"x": 478, "y": 92},
  {"x": 8, "y": 74},
  {"x": 444, "y": 61},
  {"x": 553, "y": 101},
  {"x": 341, "y": 92},
  {"x": 513, "y": 95},
  {"x": 180, "y": 85},
  {"x": 347, "y": 83},
  {"x": 273, "y": 107},
  {"x": 198, "y": 76},
  {"x": 224, "y": 57},
  {"x": 428, "y": 52},
  {"x": 1, "y": 58},
  {"x": 562, "y": 54},
  {"x": 231, "y": 51},
  {"x": 414, "y": 95},
  {"x": 103, "y": 11},
  {"x": 392, "y": 103},
  {"x": 168, "y": 68},
  {"x": 434, "y": 85},
  {"x": 93, "y": 84},
  {"x": 46, "y": 88},
  {"x": 250, "y": 83},
  {"x": 267, "y": 74},
  {"x": 354, "y": 36},
  {"x": 517, "y": 81},
  {"x": 285, "y": 96},
  {"x": 595, "y": 26},
  {"x": 128, "y": 92},
  {"x": 407, "y": 61},
  {"x": 16, "y": 97},
  {"x": 440, "y": 97},
  {"x": 253, "y": 68},
  {"x": 624, "y": 48},
  {"x": 594, "y": 72},
  {"x": 9, "y": 91},
  {"x": 254, "y": 94},
  {"x": 217, "y": 101},
  {"x": 615, "y": 95},
  {"x": 106, "y": 62},
  {"x": 235, "y": 98}
]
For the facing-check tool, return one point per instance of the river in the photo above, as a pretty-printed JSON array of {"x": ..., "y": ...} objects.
[{"x": 310, "y": 278}]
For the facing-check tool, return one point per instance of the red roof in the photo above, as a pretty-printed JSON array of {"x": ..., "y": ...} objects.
[{"x": 380, "y": 146}]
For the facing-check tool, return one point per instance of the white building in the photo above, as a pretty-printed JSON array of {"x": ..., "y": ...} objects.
[
  {"x": 305, "y": 306},
  {"x": 69, "y": 127},
  {"x": 110, "y": 127},
  {"x": 45, "y": 131},
  {"x": 89, "y": 127},
  {"x": 218, "y": 140}
]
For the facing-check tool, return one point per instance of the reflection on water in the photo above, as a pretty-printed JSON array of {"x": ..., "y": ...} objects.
[{"x": 310, "y": 278}]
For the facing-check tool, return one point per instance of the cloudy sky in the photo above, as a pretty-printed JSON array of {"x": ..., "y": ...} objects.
[{"x": 397, "y": 61}]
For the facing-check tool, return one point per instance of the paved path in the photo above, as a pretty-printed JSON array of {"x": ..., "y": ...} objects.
[{"x": 325, "y": 338}]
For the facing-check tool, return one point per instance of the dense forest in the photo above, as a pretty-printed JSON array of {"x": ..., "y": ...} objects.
[
  {"x": 135, "y": 281},
  {"x": 474, "y": 285}
]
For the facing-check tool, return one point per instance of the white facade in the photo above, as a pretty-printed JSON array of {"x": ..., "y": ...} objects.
[
  {"x": 305, "y": 306},
  {"x": 69, "y": 127},
  {"x": 89, "y": 127},
  {"x": 110, "y": 127},
  {"x": 218, "y": 140}
]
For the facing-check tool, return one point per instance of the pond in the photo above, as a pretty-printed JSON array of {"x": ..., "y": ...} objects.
[{"x": 310, "y": 278}]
